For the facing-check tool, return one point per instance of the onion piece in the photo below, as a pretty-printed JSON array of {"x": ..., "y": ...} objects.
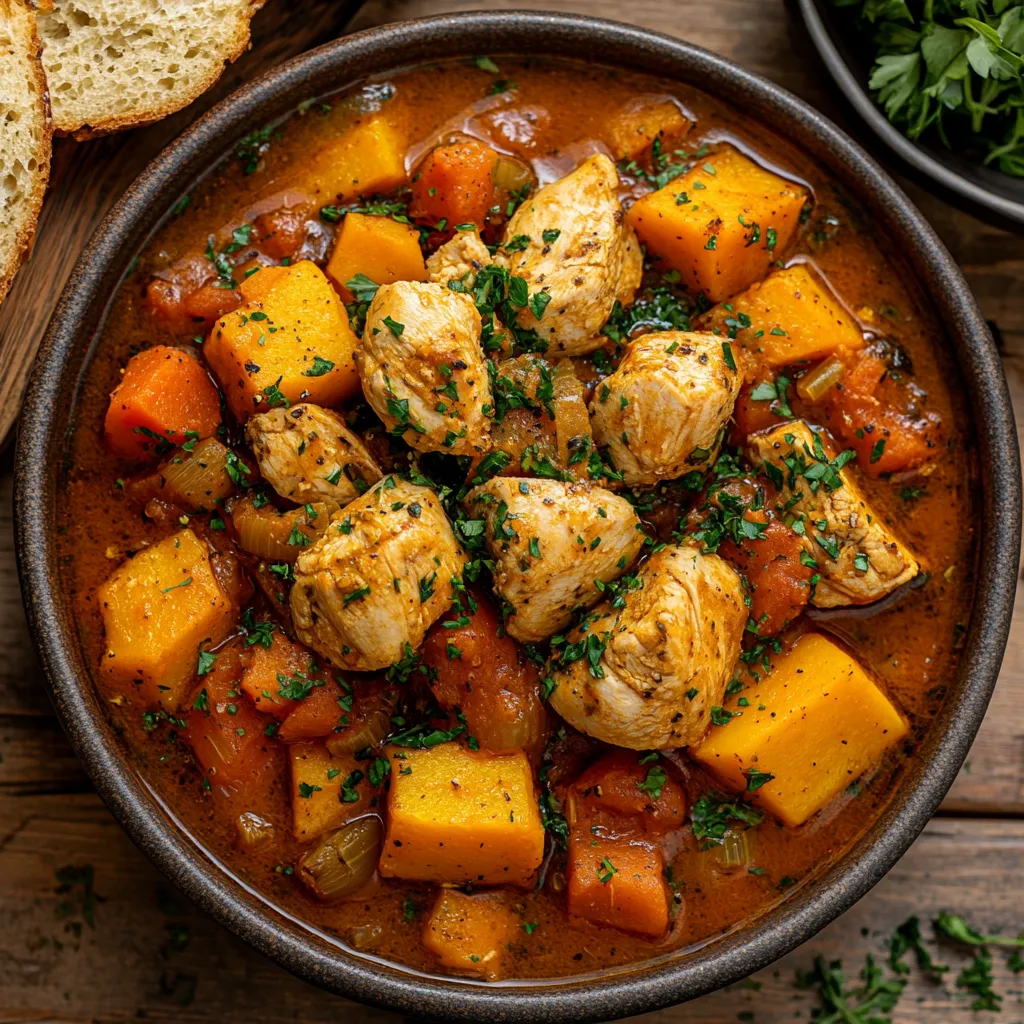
[
  {"x": 370, "y": 727},
  {"x": 813, "y": 384},
  {"x": 271, "y": 534},
  {"x": 572, "y": 421},
  {"x": 197, "y": 479},
  {"x": 343, "y": 861},
  {"x": 253, "y": 830},
  {"x": 511, "y": 174}
]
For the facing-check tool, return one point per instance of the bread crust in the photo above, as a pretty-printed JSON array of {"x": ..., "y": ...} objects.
[
  {"x": 187, "y": 90},
  {"x": 23, "y": 30}
]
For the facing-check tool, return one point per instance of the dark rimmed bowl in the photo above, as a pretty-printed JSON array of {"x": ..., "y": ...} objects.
[
  {"x": 984, "y": 191},
  {"x": 48, "y": 417}
]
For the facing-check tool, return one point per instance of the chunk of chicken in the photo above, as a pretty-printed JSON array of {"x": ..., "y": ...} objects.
[
  {"x": 860, "y": 559},
  {"x": 648, "y": 673},
  {"x": 306, "y": 453},
  {"x": 459, "y": 259},
  {"x": 551, "y": 541},
  {"x": 422, "y": 369},
  {"x": 372, "y": 585},
  {"x": 580, "y": 253},
  {"x": 660, "y": 414}
]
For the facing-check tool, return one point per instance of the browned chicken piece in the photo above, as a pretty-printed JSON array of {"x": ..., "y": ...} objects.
[
  {"x": 306, "y": 453},
  {"x": 650, "y": 672},
  {"x": 569, "y": 242},
  {"x": 554, "y": 544},
  {"x": 422, "y": 367},
  {"x": 859, "y": 557},
  {"x": 662, "y": 412},
  {"x": 368, "y": 590},
  {"x": 459, "y": 259}
]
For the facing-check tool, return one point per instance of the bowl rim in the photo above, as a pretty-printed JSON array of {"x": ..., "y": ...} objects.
[
  {"x": 42, "y": 453},
  {"x": 969, "y": 191}
]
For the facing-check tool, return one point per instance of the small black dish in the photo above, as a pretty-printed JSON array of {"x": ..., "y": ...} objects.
[{"x": 983, "y": 191}]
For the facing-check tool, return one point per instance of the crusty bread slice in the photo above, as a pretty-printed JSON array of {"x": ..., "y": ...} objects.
[
  {"x": 115, "y": 64},
  {"x": 24, "y": 136}
]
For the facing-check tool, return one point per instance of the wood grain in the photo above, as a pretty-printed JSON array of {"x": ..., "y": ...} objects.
[{"x": 138, "y": 963}]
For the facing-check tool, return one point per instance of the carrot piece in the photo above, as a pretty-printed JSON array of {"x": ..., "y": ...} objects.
[
  {"x": 323, "y": 712},
  {"x": 618, "y": 883},
  {"x": 268, "y": 666},
  {"x": 164, "y": 398},
  {"x": 486, "y": 676},
  {"x": 454, "y": 185},
  {"x": 779, "y": 582},
  {"x": 228, "y": 737}
]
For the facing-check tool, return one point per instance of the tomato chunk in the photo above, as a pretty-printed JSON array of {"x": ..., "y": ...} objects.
[
  {"x": 163, "y": 396},
  {"x": 486, "y": 676},
  {"x": 454, "y": 185},
  {"x": 779, "y": 581}
]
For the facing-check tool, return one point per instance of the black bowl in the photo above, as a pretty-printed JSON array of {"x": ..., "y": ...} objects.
[
  {"x": 48, "y": 417},
  {"x": 984, "y": 191}
]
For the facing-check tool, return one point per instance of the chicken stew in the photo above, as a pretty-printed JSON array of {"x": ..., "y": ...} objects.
[{"x": 521, "y": 517}]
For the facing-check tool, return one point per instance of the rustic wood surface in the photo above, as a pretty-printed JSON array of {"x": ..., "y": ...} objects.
[{"x": 150, "y": 956}]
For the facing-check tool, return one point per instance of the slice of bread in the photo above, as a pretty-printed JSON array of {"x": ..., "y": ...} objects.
[
  {"x": 24, "y": 136},
  {"x": 115, "y": 64}
]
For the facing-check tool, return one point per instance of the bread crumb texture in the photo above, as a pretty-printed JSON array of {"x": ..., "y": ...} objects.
[
  {"x": 113, "y": 64},
  {"x": 24, "y": 136}
]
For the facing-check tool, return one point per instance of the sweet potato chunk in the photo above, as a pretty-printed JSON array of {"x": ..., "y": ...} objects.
[
  {"x": 470, "y": 933},
  {"x": 618, "y": 883},
  {"x": 454, "y": 185},
  {"x": 455, "y": 815},
  {"x": 164, "y": 398},
  {"x": 722, "y": 224},
  {"x": 327, "y": 790},
  {"x": 290, "y": 342},
  {"x": 368, "y": 158},
  {"x": 158, "y": 608},
  {"x": 379, "y": 248},
  {"x": 790, "y": 317},
  {"x": 824, "y": 723}
]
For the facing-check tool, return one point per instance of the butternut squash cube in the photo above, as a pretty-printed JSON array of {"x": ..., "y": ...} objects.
[
  {"x": 470, "y": 933},
  {"x": 380, "y": 248},
  {"x": 327, "y": 790},
  {"x": 722, "y": 224},
  {"x": 368, "y": 158},
  {"x": 618, "y": 883},
  {"x": 457, "y": 815},
  {"x": 158, "y": 608},
  {"x": 789, "y": 317},
  {"x": 633, "y": 129},
  {"x": 815, "y": 723},
  {"x": 290, "y": 342}
]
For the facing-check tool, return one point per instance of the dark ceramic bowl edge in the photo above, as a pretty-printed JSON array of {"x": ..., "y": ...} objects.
[
  {"x": 626, "y": 992},
  {"x": 957, "y": 188}
]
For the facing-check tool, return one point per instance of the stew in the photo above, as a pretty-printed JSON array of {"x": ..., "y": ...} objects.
[{"x": 521, "y": 516}]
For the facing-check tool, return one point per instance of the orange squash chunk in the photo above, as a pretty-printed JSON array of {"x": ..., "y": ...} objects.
[
  {"x": 290, "y": 342},
  {"x": 793, "y": 318},
  {"x": 366, "y": 159},
  {"x": 470, "y": 933},
  {"x": 722, "y": 224},
  {"x": 158, "y": 608},
  {"x": 457, "y": 815},
  {"x": 327, "y": 790},
  {"x": 379, "y": 248},
  {"x": 824, "y": 723},
  {"x": 632, "y": 130}
]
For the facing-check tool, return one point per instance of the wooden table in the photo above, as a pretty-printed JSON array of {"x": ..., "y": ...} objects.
[{"x": 152, "y": 957}]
